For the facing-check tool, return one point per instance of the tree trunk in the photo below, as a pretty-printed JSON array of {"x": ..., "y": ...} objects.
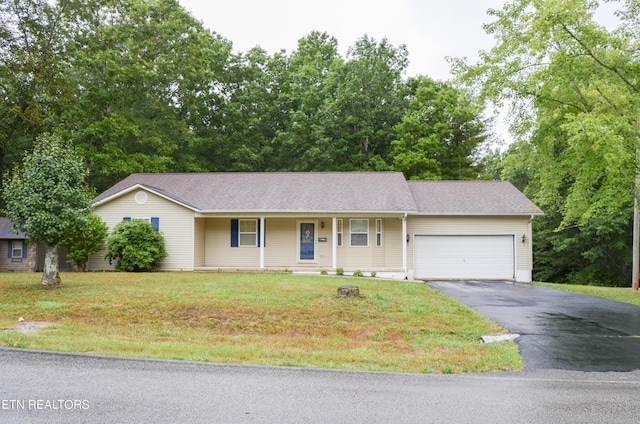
[{"x": 51, "y": 274}]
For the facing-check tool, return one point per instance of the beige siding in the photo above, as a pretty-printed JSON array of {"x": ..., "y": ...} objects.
[
  {"x": 218, "y": 250},
  {"x": 372, "y": 257},
  {"x": 176, "y": 226},
  {"x": 199, "y": 242},
  {"x": 281, "y": 247},
  {"x": 469, "y": 225}
]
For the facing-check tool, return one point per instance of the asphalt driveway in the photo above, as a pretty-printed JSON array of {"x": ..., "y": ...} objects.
[{"x": 558, "y": 330}]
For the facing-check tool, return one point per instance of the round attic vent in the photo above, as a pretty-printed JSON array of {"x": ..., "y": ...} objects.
[{"x": 141, "y": 197}]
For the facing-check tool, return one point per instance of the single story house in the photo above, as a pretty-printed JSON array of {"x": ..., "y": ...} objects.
[
  {"x": 367, "y": 221},
  {"x": 18, "y": 256}
]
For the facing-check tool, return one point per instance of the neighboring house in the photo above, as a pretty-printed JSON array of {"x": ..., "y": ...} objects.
[
  {"x": 368, "y": 221},
  {"x": 18, "y": 255},
  {"x": 15, "y": 252}
]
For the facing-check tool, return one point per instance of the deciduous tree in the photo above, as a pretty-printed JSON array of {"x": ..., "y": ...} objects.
[{"x": 46, "y": 197}]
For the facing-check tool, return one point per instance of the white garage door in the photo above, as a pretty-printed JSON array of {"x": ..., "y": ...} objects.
[{"x": 488, "y": 257}]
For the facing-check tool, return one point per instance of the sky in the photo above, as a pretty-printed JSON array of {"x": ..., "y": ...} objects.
[{"x": 430, "y": 29}]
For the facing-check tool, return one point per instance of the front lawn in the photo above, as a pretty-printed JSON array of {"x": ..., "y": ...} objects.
[{"x": 254, "y": 318}]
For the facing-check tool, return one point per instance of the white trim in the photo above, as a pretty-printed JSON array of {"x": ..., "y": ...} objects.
[
  {"x": 261, "y": 234},
  {"x": 14, "y": 248},
  {"x": 334, "y": 261},
  {"x": 352, "y": 233},
  {"x": 339, "y": 232},
  {"x": 404, "y": 245},
  {"x": 141, "y": 187},
  {"x": 378, "y": 231},
  {"x": 240, "y": 232},
  {"x": 315, "y": 241}
]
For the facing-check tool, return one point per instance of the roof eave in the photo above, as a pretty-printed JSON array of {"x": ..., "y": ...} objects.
[{"x": 141, "y": 187}]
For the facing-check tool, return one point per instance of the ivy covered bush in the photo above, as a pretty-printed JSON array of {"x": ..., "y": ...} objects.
[{"x": 135, "y": 246}]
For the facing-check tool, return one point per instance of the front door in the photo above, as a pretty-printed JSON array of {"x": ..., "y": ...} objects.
[{"x": 307, "y": 241}]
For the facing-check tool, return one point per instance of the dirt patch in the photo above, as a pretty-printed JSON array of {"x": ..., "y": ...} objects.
[{"x": 32, "y": 327}]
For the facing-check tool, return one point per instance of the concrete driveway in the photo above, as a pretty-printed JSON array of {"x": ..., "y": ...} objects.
[{"x": 558, "y": 330}]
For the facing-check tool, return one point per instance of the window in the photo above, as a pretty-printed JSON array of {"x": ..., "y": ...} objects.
[
  {"x": 359, "y": 232},
  {"x": 248, "y": 232},
  {"x": 378, "y": 232},
  {"x": 154, "y": 221},
  {"x": 339, "y": 232},
  {"x": 16, "y": 249}
]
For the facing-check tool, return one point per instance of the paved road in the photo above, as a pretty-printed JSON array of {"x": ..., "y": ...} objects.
[
  {"x": 559, "y": 330},
  {"x": 43, "y": 387}
]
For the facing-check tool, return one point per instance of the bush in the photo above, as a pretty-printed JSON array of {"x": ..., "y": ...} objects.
[
  {"x": 136, "y": 246},
  {"x": 84, "y": 241},
  {"x": 358, "y": 273},
  {"x": 340, "y": 271}
]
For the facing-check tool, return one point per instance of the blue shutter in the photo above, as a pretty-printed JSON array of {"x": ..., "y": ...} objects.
[
  {"x": 126, "y": 218},
  {"x": 9, "y": 243},
  {"x": 258, "y": 232},
  {"x": 156, "y": 223},
  {"x": 234, "y": 233},
  {"x": 24, "y": 249}
]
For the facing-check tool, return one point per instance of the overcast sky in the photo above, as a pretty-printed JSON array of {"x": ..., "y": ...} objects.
[{"x": 431, "y": 29}]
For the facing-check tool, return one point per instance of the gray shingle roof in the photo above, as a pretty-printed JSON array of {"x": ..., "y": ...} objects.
[
  {"x": 278, "y": 191},
  {"x": 6, "y": 230},
  {"x": 470, "y": 198}
]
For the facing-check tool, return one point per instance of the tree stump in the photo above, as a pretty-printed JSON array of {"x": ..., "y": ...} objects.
[{"x": 349, "y": 291}]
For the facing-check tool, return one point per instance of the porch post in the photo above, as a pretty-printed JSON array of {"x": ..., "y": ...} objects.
[
  {"x": 334, "y": 239},
  {"x": 261, "y": 235},
  {"x": 404, "y": 245}
]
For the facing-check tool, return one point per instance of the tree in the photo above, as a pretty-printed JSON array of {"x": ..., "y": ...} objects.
[
  {"x": 34, "y": 85},
  {"x": 575, "y": 91},
  {"x": 85, "y": 241},
  {"x": 304, "y": 144},
  {"x": 46, "y": 198},
  {"x": 135, "y": 246},
  {"x": 148, "y": 77},
  {"x": 370, "y": 100},
  {"x": 440, "y": 133}
]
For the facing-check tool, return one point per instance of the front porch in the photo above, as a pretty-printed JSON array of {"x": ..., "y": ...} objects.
[{"x": 300, "y": 244}]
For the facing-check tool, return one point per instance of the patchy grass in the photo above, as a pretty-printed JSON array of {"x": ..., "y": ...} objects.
[
  {"x": 255, "y": 318},
  {"x": 620, "y": 294}
]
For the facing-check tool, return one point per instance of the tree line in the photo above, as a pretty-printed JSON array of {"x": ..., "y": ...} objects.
[
  {"x": 142, "y": 86},
  {"x": 573, "y": 84}
]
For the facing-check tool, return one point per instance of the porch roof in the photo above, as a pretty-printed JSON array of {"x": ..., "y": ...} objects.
[{"x": 383, "y": 192}]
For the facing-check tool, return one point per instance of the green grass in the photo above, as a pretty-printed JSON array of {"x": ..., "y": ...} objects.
[
  {"x": 620, "y": 294},
  {"x": 255, "y": 318}
]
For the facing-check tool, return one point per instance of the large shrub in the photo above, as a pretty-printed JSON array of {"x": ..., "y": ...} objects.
[
  {"x": 84, "y": 241},
  {"x": 136, "y": 246}
]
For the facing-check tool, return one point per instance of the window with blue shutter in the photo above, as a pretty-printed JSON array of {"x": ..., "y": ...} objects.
[
  {"x": 16, "y": 249},
  {"x": 245, "y": 232}
]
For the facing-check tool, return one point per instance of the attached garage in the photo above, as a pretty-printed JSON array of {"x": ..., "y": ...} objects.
[
  {"x": 470, "y": 230},
  {"x": 487, "y": 257}
]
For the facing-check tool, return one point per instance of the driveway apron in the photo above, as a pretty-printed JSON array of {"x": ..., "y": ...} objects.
[{"x": 558, "y": 330}]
